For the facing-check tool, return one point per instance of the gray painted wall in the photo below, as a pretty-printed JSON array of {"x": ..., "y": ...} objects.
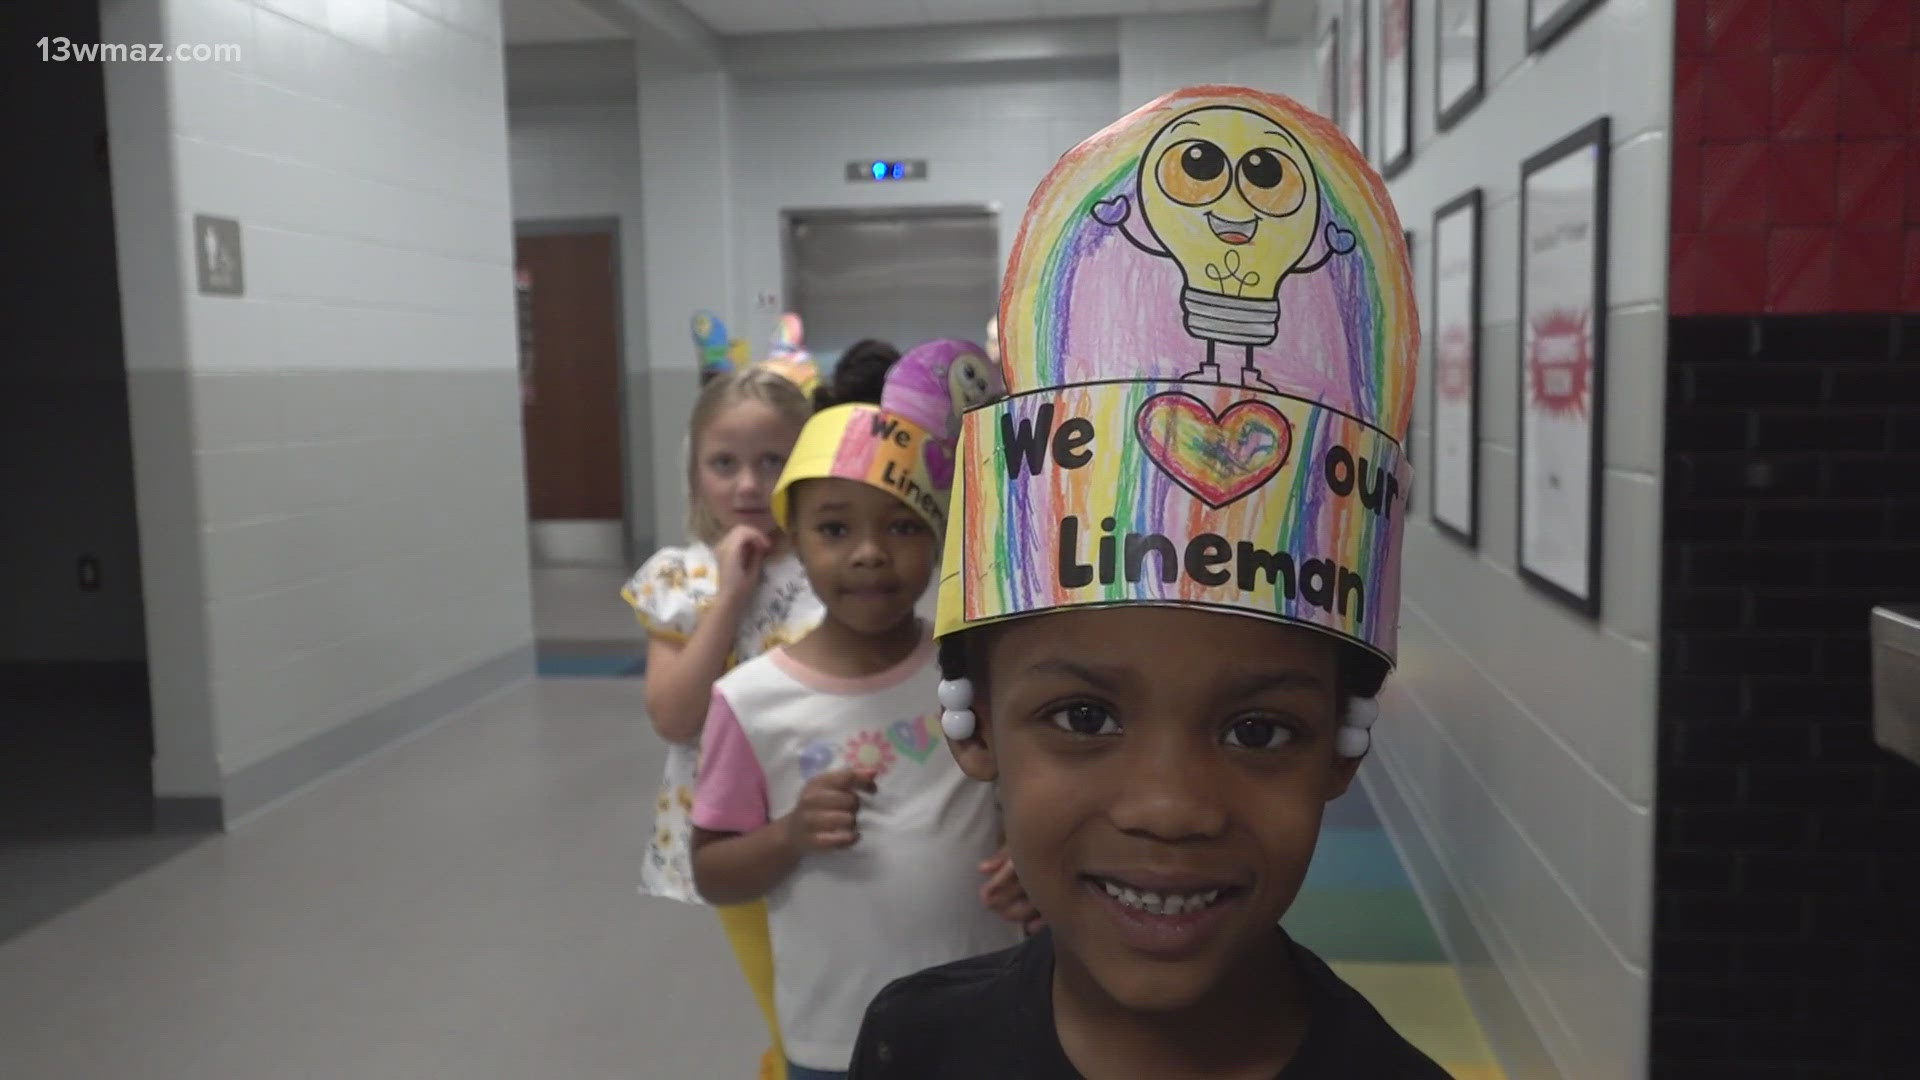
[
  {"x": 329, "y": 468},
  {"x": 1518, "y": 737}
]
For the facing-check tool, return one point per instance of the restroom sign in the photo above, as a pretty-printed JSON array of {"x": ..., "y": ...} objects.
[{"x": 216, "y": 256}]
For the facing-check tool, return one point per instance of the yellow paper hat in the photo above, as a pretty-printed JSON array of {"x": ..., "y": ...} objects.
[
  {"x": 864, "y": 442},
  {"x": 800, "y": 370},
  {"x": 1208, "y": 335}
]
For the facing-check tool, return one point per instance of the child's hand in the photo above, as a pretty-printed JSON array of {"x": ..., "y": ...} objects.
[
  {"x": 1005, "y": 896},
  {"x": 824, "y": 817},
  {"x": 740, "y": 554}
]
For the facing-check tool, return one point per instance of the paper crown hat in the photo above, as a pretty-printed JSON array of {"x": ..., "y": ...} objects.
[
  {"x": 933, "y": 383},
  {"x": 1208, "y": 336},
  {"x": 789, "y": 356},
  {"x": 711, "y": 345},
  {"x": 900, "y": 446}
]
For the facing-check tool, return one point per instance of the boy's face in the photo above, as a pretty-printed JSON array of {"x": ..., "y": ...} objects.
[
  {"x": 868, "y": 556},
  {"x": 1181, "y": 754}
]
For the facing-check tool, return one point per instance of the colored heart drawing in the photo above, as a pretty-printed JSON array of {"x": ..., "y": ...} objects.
[
  {"x": 1217, "y": 458},
  {"x": 815, "y": 759},
  {"x": 1112, "y": 211},
  {"x": 1339, "y": 239},
  {"x": 913, "y": 738}
]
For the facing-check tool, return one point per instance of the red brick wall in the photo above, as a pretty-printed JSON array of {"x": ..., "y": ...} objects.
[{"x": 1796, "y": 157}]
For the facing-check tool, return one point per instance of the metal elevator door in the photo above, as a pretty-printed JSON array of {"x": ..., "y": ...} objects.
[{"x": 903, "y": 275}]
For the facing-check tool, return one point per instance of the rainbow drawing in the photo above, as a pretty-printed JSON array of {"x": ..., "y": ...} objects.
[{"x": 1209, "y": 339}]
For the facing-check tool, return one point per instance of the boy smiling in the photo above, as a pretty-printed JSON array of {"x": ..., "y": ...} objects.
[{"x": 1163, "y": 746}]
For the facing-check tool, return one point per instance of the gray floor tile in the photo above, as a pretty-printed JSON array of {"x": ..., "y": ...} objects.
[{"x": 461, "y": 906}]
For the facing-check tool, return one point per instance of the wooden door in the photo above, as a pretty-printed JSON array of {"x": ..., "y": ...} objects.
[{"x": 570, "y": 405}]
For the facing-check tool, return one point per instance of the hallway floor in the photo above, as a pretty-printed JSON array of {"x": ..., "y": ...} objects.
[
  {"x": 462, "y": 905},
  {"x": 1358, "y": 910}
]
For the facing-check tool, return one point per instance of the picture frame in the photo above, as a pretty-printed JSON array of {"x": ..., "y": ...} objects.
[
  {"x": 1562, "y": 379},
  {"x": 1353, "y": 68},
  {"x": 1548, "y": 19},
  {"x": 1396, "y": 86},
  {"x": 1459, "y": 59},
  {"x": 1454, "y": 398},
  {"x": 1327, "y": 54},
  {"x": 1413, "y": 457}
]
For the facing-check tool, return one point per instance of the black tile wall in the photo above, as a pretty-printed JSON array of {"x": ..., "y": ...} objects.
[{"x": 1787, "y": 921}]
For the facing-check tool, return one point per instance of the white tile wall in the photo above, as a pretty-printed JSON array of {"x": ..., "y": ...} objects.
[
  {"x": 362, "y": 389},
  {"x": 1520, "y": 735},
  {"x": 720, "y": 160},
  {"x": 686, "y": 174},
  {"x": 1159, "y": 54},
  {"x": 989, "y": 140}
]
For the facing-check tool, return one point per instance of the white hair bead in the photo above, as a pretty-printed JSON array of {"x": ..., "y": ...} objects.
[
  {"x": 959, "y": 724},
  {"x": 1362, "y": 712},
  {"x": 1353, "y": 742},
  {"x": 955, "y": 693}
]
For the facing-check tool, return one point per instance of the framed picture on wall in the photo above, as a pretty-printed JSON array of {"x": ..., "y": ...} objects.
[
  {"x": 1396, "y": 86},
  {"x": 1455, "y": 414},
  {"x": 1413, "y": 461},
  {"x": 1328, "y": 56},
  {"x": 1548, "y": 19},
  {"x": 1353, "y": 75},
  {"x": 1563, "y": 320},
  {"x": 1460, "y": 58}
]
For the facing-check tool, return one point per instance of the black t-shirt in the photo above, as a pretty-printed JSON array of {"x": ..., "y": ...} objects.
[{"x": 991, "y": 1018}]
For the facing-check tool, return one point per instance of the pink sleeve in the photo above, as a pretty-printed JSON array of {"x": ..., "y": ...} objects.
[{"x": 731, "y": 792}]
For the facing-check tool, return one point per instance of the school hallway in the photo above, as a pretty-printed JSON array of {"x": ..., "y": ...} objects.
[
  {"x": 352, "y": 361},
  {"x": 463, "y": 905}
]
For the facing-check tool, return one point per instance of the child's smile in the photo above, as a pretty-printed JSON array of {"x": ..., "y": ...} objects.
[{"x": 1173, "y": 920}]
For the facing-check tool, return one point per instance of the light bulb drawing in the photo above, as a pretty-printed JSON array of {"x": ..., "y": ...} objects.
[{"x": 1231, "y": 196}]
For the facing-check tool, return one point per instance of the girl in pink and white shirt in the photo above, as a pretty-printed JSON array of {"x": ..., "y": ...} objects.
[{"x": 825, "y": 785}]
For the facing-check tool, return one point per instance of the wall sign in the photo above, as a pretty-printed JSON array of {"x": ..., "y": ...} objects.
[
  {"x": 1353, "y": 75},
  {"x": 1396, "y": 86},
  {"x": 1456, "y": 367},
  {"x": 1460, "y": 58},
  {"x": 1563, "y": 320},
  {"x": 1328, "y": 56},
  {"x": 216, "y": 256}
]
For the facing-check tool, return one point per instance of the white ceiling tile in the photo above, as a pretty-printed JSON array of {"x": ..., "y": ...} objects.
[
  {"x": 961, "y": 11},
  {"x": 778, "y": 16},
  {"x": 1181, "y": 7},
  {"x": 1072, "y": 8},
  {"x": 528, "y": 22},
  {"x": 739, "y": 16},
  {"x": 857, "y": 14}
]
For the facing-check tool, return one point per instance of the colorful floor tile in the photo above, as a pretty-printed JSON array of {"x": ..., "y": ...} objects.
[{"x": 1358, "y": 910}]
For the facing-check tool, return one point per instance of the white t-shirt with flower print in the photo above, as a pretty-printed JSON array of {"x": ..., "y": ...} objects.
[{"x": 905, "y": 896}]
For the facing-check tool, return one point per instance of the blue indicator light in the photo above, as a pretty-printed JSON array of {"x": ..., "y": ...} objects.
[{"x": 879, "y": 170}]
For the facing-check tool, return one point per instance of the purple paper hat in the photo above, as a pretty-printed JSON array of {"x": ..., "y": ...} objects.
[{"x": 935, "y": 382}]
